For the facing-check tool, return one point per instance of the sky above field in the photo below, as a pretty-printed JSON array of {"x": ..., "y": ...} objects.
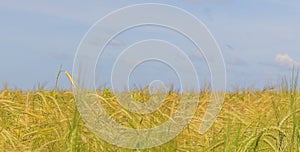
[{"x": 259, "y": 39}]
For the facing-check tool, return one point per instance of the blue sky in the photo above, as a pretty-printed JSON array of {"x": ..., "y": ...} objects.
[{"x": 259, "y": 39}]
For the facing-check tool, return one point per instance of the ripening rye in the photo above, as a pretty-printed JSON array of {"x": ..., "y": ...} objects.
[{"x": 250, "y": 120}]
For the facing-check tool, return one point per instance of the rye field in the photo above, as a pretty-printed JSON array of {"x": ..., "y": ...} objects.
[{"x": 251, "y": 120}]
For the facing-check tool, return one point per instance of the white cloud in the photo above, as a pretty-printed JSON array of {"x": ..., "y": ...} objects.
[
  {"x": 117, "y": 42},
  {"x": 196, "y": 1},
  {"x": 286, "y": 60}
]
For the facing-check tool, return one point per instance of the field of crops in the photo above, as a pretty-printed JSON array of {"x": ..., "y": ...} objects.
[{"x": 250, "y": 120}]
